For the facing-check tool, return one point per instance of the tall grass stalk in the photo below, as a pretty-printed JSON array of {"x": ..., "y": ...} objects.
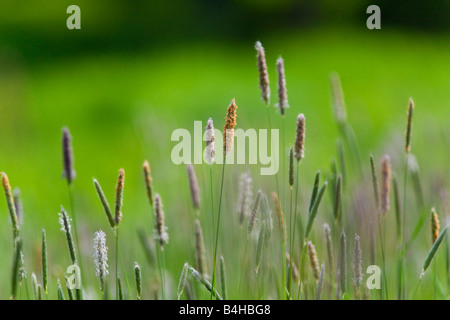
[
  {"x": 44, "y": 263},
  {"x": 228, "y": 138},
  {"x": 407, "y": 150},
  {"x": 223, "y": 278}
]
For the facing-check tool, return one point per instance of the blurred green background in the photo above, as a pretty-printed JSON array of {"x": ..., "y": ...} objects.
[{"x": 137, "y": 70}]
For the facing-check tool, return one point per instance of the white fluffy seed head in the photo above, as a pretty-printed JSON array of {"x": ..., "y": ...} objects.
[
  {"x": 101, "y": 254},
  {"x": 63, "y": 215},
  {"x": 209, "y": 138}
]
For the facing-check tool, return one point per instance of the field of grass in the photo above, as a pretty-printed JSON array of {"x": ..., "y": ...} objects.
[{"x": 122, "y": 109}]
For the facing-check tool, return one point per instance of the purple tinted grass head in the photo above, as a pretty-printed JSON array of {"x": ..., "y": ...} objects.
[
  {"x": 69, "y": 172},
  {"x": 263, "y": 73},
  {"x": 282, "y": 91}
]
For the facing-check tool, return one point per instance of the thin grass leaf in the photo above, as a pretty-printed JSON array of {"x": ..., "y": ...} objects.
[
  {"x": 433, "y": 250},
  {"x": 223, "y": 278},
  {"x": 182, "y": 282},
  {"x": 260, "y": 247},
  {"x": 105, "y": 203},
  {"x": 205, "y": 283},
  {"x": 313, "y": 212},
  {"x": 59, "y": 290},
  {"x": 314, "y": 191}
]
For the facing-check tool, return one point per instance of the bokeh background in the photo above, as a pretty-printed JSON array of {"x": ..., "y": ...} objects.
[{"x": 137, "y": 70}]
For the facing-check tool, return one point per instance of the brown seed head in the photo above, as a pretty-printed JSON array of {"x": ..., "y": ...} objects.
[
  {"x": 148, "y": 181},
  {"x": 409, "y": 126},
  {"x": 313, "y": 260},
  {"x": 228, "y": 129},
  {"x": 435, "y": 227}
]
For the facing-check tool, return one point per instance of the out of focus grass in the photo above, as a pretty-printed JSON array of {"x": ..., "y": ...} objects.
[{"x": 121, "y": 109}]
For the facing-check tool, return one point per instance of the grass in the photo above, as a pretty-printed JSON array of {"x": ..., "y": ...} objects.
[{"x": 115, "y": 122}]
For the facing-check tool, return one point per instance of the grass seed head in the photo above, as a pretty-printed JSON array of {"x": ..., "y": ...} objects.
[
  {"x": 119, "y": 197},
  {"x": 409, "y": 126},
  {"x": 160, "y": 229},
  {"x": 357, "y": 263},
  {"x": 148, "y": 181},
  {"x": 10, "y": 203},
  {"x": 434, "y": 225},
  {"x": 228, "y": 129},
  {"x": 291, "y": 167},
  {"x": 385, "y": 183},
  {"x": 255, "y": 209},
  {"x": 338, "y": 101},
  {"x": 69, "y": 172},
  {"x": 313, "y": 260},
  {"x": 193, "y": 185},
  {"x": 282, "y": 91},
  {"x": 263, "y": 73},
  {"x": 300, "y": 138},
  {"x": 100, "y": 255},
  {"x": 210, "y": 150}
]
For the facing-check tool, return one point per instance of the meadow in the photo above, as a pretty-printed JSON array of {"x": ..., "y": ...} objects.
[{"x": 122, "y": 109}]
